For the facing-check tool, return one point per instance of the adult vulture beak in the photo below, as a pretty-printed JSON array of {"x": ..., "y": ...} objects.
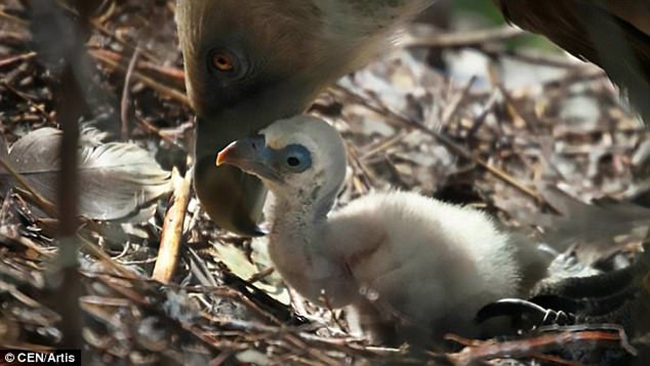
[{"x": 232, "y": 198}]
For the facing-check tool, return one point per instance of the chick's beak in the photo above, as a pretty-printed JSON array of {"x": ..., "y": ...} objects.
[
  {"x": 226, "y": 155},
  {"x": 251, "y": 155}
]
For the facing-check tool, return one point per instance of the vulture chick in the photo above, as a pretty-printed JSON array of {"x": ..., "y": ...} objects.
[{"x": 407, "y": 267}]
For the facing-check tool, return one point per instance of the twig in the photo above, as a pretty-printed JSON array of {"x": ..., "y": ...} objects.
[
  {"x": 172, "y": 232},
  {"x": 228, "y": 292},
  {"x": 27, "y": 98},
  {"x": 165, "y": 135},
  {"x": 261, "y": 275},
  {"x": 126, "y": 94},
  {"x": 106, "y": 259},
  {"x": 41, "y": 201},
  {"x": 160, "y": 88},
  {"x": 326, "y": 300},
  {"x": 557, "y": 61},
  {"x": 176, "y": 75},
  {"x": 452, "y": 109},
  {"x": 221, "y": 358},
  {"x": 15, "y": 237},
  {"x": 466, "y": 39},
  {"x": 10, "y": 60},
  {"x": 65, "y": 282},
  {"x": 482, "y": 115},
  {"x": 488, "y": 350},
  {"x": 451, "y": 145},
  {"x": 11, "y": 18},
  {"x": 321, "y": 356},
  {"x": 382, "y": 145}
]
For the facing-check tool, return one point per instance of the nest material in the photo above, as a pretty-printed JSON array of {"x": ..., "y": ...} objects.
[{"x": 522, "y": 122}]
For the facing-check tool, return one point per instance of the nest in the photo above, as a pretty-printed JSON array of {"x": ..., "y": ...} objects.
[{"x": 528, "y": 136}]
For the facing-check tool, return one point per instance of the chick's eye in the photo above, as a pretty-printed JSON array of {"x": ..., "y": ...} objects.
[
  {"x": 297, "y": 158},
  {"x": 293, "y": 161}
]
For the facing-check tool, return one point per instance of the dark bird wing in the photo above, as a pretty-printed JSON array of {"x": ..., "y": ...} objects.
[{"x": 614, "y": 34}]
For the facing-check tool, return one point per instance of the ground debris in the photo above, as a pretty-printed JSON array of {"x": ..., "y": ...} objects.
[{"x": 499, "y": 130}]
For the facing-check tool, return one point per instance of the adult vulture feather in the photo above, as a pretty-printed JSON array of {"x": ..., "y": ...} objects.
[{"x": 613, "y": 34}]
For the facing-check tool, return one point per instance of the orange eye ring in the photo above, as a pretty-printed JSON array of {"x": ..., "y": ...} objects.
[{"x": 223, "y": 62}]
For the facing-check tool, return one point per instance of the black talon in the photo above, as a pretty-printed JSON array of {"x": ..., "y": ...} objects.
[{"x": 515, "y": 308}]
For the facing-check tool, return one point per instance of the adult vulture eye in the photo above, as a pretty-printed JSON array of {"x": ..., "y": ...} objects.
[
  {"x": 222, "y": 61},
  {"x": 226, "y": 63}
]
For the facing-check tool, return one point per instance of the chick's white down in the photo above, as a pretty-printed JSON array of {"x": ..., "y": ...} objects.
[{"x": 405, "y": 266}]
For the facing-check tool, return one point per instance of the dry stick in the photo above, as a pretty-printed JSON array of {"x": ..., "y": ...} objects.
[
  {"x": 381, "y": 146},
  {"x": 160, "y": 88},
  {"x": 10, "y": 60},
  {"x": 321, "y": 356},
  {"x": 146, "y": 54},
  {"x": 238, "y": 296},
  {"x": 97, "y": 24},
  {"x": 107, "y": 260},
  {"x": 41, "y": 201},
  {"x": 162, "y": 135},
  {"x": 221, "y": 358},
  {"x": 353, "y": 156},
  {"x": 480, "y": 118},
  {"x": 143, "y": 301},
  {"x": 489, "y": 350},
  {"x": 465, "y": 39},
  {"x": 452, "y": 109},
  {"x": 451, "y": 145},
  {"x": 557, "y": 61},
  {"x": 126, "y": 94},
  {"x": 172, "y": 232},
  {"x": 6, "y": 235},
  {"x": 65, "y": 287},
  {"x": 175, "y": 74},
  {"x": 555, "y": 359},
  {"x": 105, "y": 15},
  {"x": 514, "y": 109},
  {"x": 12, "y": 18},
  {"x": 328, "y": 306},
  {"x": 26, "y": 98},
  {"x": 260, "y": 275}
]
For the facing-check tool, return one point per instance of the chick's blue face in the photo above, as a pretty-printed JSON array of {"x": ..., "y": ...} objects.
[
  {"x": 285, "y": 166},
  {"x": 302, "y": 157}
]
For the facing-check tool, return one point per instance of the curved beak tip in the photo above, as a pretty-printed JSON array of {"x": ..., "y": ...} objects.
[{"x": 222, "y": 156}]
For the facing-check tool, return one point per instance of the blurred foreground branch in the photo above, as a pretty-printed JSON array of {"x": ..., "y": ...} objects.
[{"x": 61, "y": 46}]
